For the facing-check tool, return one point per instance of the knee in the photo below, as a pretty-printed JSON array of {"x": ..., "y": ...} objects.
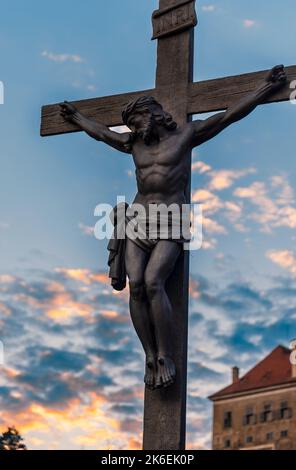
[
  {"x": 137, "y": 290},
  {"x": 153, "y": 287}
]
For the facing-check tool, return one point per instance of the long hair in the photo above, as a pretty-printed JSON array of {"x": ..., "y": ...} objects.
[
  {"x": 145, "y": 102},
  {"x": 160, "y": 117}
]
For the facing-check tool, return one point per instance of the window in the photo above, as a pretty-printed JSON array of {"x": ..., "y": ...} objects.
[
  {"x": 284, "y": 433},
  {"x": 227, "y": 444},
  {"x": 227, "y": 419},
  {"x": 267, "y": 414},
  {"x": 269, "y": 436},
  {"x": 285, "y": 411},
  {"x": 249, "y": 439},
  {"x": 249, "y": 417}
]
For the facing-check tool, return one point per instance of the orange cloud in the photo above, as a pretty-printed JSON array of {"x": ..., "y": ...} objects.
[
  {"x": 224, "y": 179},
  {"x": 83, "y": 422},
  {"x": 200, "y": 167},
  {"x": 10, "y": 372},
  {"x": 6, "y": 279},
  {"x": 4, "y": 309},
  {"x": 193, "y": 289},
  {"x": 84, "y": 275},
  {"x": 275, "y": 210},
  {"x": 285, "y": 259},
  {"x": 63, "y": 307}
]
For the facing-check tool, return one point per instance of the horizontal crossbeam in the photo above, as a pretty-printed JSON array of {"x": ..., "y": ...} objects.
[
  {"x": 106, "y": 110},
  {"x": 221, "y": 93},
  {"x": 203, "y": 97}
]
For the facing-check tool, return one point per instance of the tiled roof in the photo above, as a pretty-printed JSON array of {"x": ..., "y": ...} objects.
[{"x": 274, "y": 370}]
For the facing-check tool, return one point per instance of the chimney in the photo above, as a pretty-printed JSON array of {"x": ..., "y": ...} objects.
[
  {"x": 293, "y": 358},
  {"x": 235, "y": 374}
]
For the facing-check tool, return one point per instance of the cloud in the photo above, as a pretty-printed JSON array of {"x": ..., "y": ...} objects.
[
  {"x": 208, "y": 8},
  {"x": 62, "y": 57},
  {"x": 80, "y": 383},
  {"x": 91, "y": 87},
  {"x": 249, "y": 23},
  {"x": 200, "y": 167},
  {"x": 216, "y": 210},
  {"x": 219, "y": 212},
  {"x": 86, "y": 229},
  {"x": 285, "y": 259},
  {"x": 212, "y": 226},
  {"x": 273, "y": 202},
  {"x": 59, "y": 372},
  {"x": 286, "y": 192},
  {"x": 86, "y": 276},
  {"x": 130, "y": 173},
  {"x": 82, "y": 422},
  {"x": 210, "y": 202},
  {"x": 224, "y": 179}
]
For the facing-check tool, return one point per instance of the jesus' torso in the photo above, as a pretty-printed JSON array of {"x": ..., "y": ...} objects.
[{"x": 163, "y": 168}]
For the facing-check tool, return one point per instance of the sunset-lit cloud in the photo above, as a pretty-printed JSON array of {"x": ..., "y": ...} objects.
[
  {"x": 219, "y": 211},
  {"x": 200, "y": 167},
  {"x": 284, "y": 258},
  {"x": 79, "y": 383},
  {"x": 84, "y": 422},
  {"x": 274, "y": 203},
  {"x": 85, "y": 276},
  {"x": 224, "y": 179},
  {"x": 269, "y": 204},
  {"x": 74, "y": 367}
]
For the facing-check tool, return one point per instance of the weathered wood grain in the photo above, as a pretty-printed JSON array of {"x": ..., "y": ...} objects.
[
  {"x": 200, "y": 97},
  {"x": 106, "y": 110},
  {"x": 174, "y": 19},
  {"x": 165, "y": 410},
  {"x": 220, "y": 93}
]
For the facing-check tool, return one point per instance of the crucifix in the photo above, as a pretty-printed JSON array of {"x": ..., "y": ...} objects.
[{"x": 161, "y": 139}]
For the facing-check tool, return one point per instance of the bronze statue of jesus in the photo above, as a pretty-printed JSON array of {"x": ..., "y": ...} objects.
[{"x": 160, "y": 150}]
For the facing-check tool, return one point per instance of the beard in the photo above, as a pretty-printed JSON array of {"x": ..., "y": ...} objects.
[{"x": 149, "y": 132}]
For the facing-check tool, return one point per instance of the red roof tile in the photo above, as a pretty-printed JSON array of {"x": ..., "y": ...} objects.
[{"x": 274, "y": 370}]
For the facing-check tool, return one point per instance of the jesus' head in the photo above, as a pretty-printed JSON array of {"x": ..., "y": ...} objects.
[{"x": 144, "y": 115}]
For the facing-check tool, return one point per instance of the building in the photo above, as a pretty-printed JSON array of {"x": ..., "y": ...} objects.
[{"x": 258, "y": 410}]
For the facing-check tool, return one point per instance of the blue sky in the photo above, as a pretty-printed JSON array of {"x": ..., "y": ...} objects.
[{"x": 67, "y": 337}]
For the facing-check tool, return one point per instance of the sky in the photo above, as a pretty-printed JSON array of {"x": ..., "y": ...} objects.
[{"x": 73, "y": 370}]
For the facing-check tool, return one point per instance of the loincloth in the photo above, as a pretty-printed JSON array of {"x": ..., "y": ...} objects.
[{"x": 145, "y": 232}]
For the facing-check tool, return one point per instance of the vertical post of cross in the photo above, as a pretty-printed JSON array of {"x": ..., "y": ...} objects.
[{"x": 165, "y": 410}]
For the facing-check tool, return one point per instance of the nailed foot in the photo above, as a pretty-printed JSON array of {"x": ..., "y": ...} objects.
[
  {"x": 150, "y": 373},
  {"x": 166, "y": 372}
]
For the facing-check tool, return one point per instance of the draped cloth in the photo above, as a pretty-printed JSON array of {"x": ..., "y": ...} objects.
[
  {"x": 116, "y": 248},
  {"x": 145, "y": 233}
]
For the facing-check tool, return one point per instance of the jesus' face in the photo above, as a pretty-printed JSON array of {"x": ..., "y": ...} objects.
[{"x": 144, "y": 124}]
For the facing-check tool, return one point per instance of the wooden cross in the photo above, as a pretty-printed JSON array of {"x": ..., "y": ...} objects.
[{"x": 173, "y": 27}]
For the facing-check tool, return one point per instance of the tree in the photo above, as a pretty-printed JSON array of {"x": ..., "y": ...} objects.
[{"x": 11, "y": 440}]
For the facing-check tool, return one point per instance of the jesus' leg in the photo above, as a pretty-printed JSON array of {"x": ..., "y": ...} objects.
[
  {"x": 159, "y": 268},
  {"x": 136, "y": 261}
]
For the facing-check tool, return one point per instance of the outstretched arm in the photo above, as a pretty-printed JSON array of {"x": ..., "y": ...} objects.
[
  {"x": 209, "y": 128},
  {"x": 121, "y": 142}
]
